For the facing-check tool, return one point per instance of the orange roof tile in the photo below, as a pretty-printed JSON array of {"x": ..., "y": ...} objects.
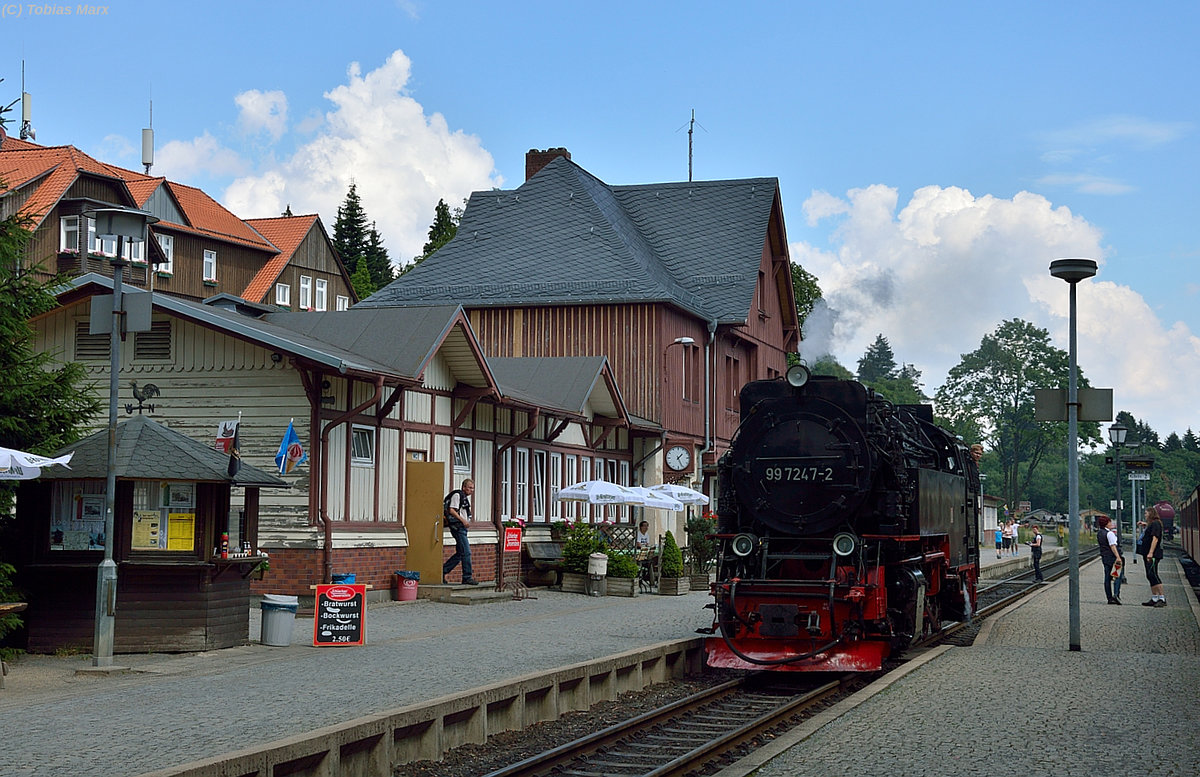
[
  {"x": 205, "y": 213},
  {"x": 57, "y": 166},
  {"x": 286, "y": 232}
]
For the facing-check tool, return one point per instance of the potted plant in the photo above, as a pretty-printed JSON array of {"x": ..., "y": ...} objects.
[
  {"x": 559, "y": 529},
  {"x": 672, "y": 582},
  {"x": 622, "y": 575},
  {"x": 702, "y": 549},
  {"x": 579, "y": 546}
]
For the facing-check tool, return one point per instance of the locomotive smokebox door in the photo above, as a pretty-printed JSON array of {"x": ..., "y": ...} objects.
[{"x": 779, "y": 620}]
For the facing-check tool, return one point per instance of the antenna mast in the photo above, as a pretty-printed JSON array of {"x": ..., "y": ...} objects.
[
  {"x": 691, "y": 128},
  {"x": 148, "y": 141},
  {"x": 27, "y": 131}
]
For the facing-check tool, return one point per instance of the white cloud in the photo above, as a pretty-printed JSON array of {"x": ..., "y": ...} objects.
[
  {"x": 262, "y": 112},
  {"x": 1086, "y": 184},
  {"x": 378, "y": 136},
  {"x": 937, "y": 274},
  {"x": 185, "y": 160},
  {"x": 1134, "y": 130}
]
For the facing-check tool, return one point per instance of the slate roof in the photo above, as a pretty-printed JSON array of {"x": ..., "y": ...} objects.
[
  {"x": 149, "y": 450},
  {"x": 560, "y": 382},
  {"x": 566, "y": 237}
]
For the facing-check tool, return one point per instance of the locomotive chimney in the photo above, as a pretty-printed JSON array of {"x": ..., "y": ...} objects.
[{"x": 535, "y": 160}]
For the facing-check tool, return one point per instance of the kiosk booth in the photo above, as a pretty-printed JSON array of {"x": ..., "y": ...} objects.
[{"x": 178, "y": 590}]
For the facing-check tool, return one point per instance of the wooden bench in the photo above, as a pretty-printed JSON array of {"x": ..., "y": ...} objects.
[{"x": 546, "y": 557}]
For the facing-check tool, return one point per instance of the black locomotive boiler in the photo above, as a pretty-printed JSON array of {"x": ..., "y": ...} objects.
[{"x": 848, "y": 528}]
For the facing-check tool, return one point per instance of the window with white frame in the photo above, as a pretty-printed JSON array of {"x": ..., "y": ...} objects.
[
  {"x": 133, "y": 251},
  {"x": 283, "y": 294},
  {"x": 462, "y": 456},
  {"x": 101, "y": 246},
  {"x": 343, "y": 302},
  {"x": 167, "y": 244},
  {"x": 538, "y": 483},
  {"x": 598, "y": 511},
  {"x": 68, "y": 234},
  {"x": 321, "y": 295},
  {"x": 362, "y": 446},
  {"x": 556, "y": 474},
  {"x": 521, "y": 484},
  {"x": 571, "y": 473},
  {"x": 624, "y": 481},
  {"x": 305, "y": 292},
  {"x": 506, "y": 485},
  {"x": 210, "y": 265}
]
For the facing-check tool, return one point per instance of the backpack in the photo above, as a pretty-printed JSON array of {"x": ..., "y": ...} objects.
[{"x": 450, "y": 519}]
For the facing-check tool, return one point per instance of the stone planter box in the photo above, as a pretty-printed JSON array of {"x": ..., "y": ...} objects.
[
  {"x": 622, "y": 586},
  {"x": 673, "y": 586},
  {"x": 574, "y": 583}
]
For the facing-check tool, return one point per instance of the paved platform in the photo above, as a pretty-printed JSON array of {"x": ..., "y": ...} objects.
[
  {"x": 173, "y": 710},
  {"x": 1020, "y": 702}
]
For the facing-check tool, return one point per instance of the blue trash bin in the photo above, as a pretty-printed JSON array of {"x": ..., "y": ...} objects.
[{"x": 346, "y": 578}]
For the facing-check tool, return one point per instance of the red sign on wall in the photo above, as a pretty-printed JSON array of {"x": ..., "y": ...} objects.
[{"x": 512, "y": 540}]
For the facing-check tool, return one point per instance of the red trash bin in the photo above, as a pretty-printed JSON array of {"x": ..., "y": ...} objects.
[{"x": 405, "y": 588}]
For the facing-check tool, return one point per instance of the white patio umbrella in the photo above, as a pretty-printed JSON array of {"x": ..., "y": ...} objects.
[
  {"x": 689, "y": 496},
  {"x": 19, "y": 465},
  {"x": 657, "y": 500},
  {"x": 599, "y": 492}
]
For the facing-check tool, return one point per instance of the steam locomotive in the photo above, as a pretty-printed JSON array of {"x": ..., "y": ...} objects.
[{"x": 847, "y": 526}]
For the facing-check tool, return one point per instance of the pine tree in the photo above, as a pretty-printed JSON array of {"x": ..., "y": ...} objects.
[
  {"x": 350, "y": 236},
  {"x": 878, "y": 363},
  {"x": 379, "y": 265},
  {"x": 441, "y": 231},
  {"x": 361, "y": 281},
  {"x": 1190, "y": 443},
  {"x": 42, "y": 407}
]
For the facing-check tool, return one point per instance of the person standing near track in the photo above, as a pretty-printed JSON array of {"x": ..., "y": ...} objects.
[
  {"x": 1110, "y": 554},
  {"x": 999, "y": 540},
  {"x": 1035, "y": 550},
  {"x": 1151, "y": 549}
]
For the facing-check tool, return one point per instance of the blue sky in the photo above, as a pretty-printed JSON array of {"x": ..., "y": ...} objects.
[{"x": 933, "y": 157}]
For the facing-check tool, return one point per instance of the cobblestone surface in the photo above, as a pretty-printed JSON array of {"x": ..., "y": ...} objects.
[{"x": 1021, "y": 703}]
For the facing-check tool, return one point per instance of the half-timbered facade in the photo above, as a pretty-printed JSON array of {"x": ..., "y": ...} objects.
[{"x": 389, "y": 423}]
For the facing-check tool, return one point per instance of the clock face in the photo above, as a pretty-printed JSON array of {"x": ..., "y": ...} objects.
[{"x": 679, "y": 457}]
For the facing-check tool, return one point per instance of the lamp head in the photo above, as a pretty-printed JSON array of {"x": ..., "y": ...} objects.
[
  {"x": 1073, "y": 270},
  {"x": 684, "y": 340},
  {"x": 1116, "y": 434}
]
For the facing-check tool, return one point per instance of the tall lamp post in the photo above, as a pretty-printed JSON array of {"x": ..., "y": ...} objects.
[
  {"x": 1073, "y": 271},
  {"x": 125, "y": 224}
]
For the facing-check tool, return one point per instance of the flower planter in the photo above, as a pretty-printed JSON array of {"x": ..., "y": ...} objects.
[
  {"x": 673, "y": 586},
  {"x": 574, "y": 583},
  {"x": 623, "y": 586},
  {"x": 699, "y": 582}
]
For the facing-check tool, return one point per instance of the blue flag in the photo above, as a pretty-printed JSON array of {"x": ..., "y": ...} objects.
[{"x": 291, "y": 452}]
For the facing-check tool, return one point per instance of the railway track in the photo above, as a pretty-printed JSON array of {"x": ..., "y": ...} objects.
[{"x": 679, "y": 738}]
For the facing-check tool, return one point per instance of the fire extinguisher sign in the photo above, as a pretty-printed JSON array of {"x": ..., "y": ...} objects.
[{"x": 512, "y": 539}]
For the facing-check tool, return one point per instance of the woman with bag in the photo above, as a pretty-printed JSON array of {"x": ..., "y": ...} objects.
[{"x": 1150, "y": 548}]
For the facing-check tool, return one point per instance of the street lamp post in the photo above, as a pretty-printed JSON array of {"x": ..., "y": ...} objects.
[
  {"x": 1116, "y": 435},
  {"x": 125, "y": 225},
  {"x": 1073, "y": 271}
]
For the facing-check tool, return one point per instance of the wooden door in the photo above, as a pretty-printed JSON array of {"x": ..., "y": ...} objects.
[{"x": 423, "y": 484}]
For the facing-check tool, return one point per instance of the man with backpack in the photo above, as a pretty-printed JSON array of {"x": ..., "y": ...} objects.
[{"x": 456, "y": 508}]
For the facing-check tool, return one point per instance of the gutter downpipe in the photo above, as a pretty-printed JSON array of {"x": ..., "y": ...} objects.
[
  {"x": 708, "y": 443},
  {"x": 326, "y": 524}
]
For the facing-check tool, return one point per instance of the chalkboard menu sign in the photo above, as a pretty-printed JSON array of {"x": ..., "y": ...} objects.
[{"x": 340, "y": 616}]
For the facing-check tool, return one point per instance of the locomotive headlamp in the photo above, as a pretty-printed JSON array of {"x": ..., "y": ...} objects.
[
  {"x": 798, "y": 375},
  {"x": 844, "y": 543},
  {"x": 744, "y": 544}
]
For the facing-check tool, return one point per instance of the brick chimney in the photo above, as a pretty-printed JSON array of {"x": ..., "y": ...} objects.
[{"x": 535, "y": 160}]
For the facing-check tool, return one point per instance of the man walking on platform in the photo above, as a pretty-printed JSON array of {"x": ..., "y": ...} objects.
[{"x": 456, "y": 508}]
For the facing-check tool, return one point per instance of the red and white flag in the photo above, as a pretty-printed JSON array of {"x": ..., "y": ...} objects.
[{"x": 225, "y": 434}]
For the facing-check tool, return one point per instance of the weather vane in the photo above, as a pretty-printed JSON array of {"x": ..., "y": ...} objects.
[{"x": 148, "y": 391}]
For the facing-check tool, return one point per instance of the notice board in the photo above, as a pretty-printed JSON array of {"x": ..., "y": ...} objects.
[{"x": 341, "y": 615}]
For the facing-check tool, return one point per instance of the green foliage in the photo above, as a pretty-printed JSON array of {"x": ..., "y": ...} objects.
[
  {"x": 8, "y": 593},
  {"x": 441, "y": 231},
  {"x": 828, "y": 365},
  {"x": 878, "y": 363},
  {"x": 988, "y": 396},
  {"x": 43, "y": 405},
  {"x": 701, "y": 549},
  {"x": 672, "y": 557},
  {"x": 361, "y": 280},
  {"x": 360, "y": 246},
  {"x": 581, "y": 542},
  {"x": 622, "y": 565},
  {"x": 804, "y": 286}
]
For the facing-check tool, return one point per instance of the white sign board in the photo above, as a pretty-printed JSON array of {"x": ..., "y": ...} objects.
[{"x": 1139, "y": 475}]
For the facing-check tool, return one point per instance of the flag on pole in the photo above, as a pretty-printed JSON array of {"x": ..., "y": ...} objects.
[
  {"x": 291, "y": 452},
  {"x": 225, "y": 434},
  {"x": 235, "y": 451}
]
